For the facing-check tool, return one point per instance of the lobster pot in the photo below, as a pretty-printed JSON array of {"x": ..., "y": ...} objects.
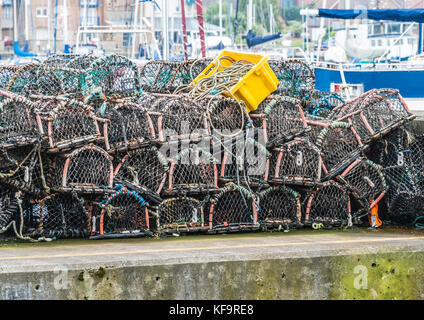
[
  {"x": 296, "y": 78},
  {"x": 25, "y": 169},
  {"x": 328, "y": 204},
  {"x": 366, "y": 181},
  {"x": 182, "y": 119},
  {"x": 123, "y": 212},
  {"x": 60, "y": 216},
  {"x": 245, "y": 159},
  {"x": 349, "y": 106},
  {"x": 87, "y": 169},
  {"x": 360, "y": 124},
  {"x": 33, "y": 79},
  {"x": 226, "y": 117},
  {"x": 339, "y": 145},
  {"x": 405, "y": 207},
  {"x": 60, "y": 60},
  {"x": 283, "y": 120},
  {"x": 384, "y": 113},
  {"x": 143, "y": 168},
  {"x": 149, "y": 74},
  {"x": 297, "y": 162},
  {"x": 17, "y": 122},
  {"x": 193, "y": 170},
  {"x": 322, "y": 103},
  {"x": 186, "y": 72},
  {"x": 129, "y": 126},
  {"x": 180, "y": 215},
  {"x": 6, "y": 73},
  {"x": 115, "y": 75},
  {"x": 67, "y": 124},
  {"x": 279, "y": 207},
  {"x": 8, "y": 206},
  {"x": 233, "y": 209}
]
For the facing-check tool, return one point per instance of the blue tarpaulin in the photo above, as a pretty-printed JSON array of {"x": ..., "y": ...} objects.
[
  {"x": 405, "y": 15},
  {"x": 253, "y": 40}
]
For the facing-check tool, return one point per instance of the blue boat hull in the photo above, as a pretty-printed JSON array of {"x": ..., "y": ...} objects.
[{"x": 410, "y": 83}]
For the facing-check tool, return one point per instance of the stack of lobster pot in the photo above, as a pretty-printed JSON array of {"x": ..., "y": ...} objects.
[{"x": 100, "y": 147}]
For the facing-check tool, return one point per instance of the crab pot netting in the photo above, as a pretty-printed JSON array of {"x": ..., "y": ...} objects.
[
  {"x": 8, "y": 206},
  {"x": 402, "y": 158},
  {"x": 244, "y": 158},
  {"x": 182, "y": 214},
  {"x": 226, "y": 116},
  {"x": 25, "y": 169},
  {"x": 322, "y": 103},
  {"x": 158, "y": 76},
  {"x": 114, "y": 75},
  {"x": 37, "y": 79},
  {"x": 339, "y": 145},
  {"x": 279, "y": 206},
  {"x": 233, "y": 208},
  {"x": 366, "y": 181},
  {"x": 193, "y": 170},
  {"x": 284, "y": 119},
  {"x": 296, "y": 78},
  {"x": 17, "y": 122},
  {"x": 129, "y": 126},
  {"x": 328, "y": 204},
  {"x": 86, "y": 169},
  {"x": 405, "y": 207},
  {"x": 58, "y": 215},
  {"x": 67, "y": 123},
  {"x": 296, "y": 162},
  {"x": 122, "y": 212},
  {"x": 181, "y": 118},
  {"x": 6, "y": 73},
  {"x": 145, "y": 167}
]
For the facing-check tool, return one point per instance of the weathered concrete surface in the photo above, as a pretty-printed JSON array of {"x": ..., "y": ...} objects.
[{"x": 295, "y": 265}]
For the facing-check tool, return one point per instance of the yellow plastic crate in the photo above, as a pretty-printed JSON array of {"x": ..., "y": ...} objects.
[{"x": 255, "y": 86}]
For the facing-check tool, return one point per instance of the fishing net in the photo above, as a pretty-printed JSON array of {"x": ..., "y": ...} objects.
[
  {"x": 227, "y": 117},
  {"x": 8, "y": 207},
  {"x": 284, "y": 119},
  {"x": 322, "y": 103},
  {"x": 58, "y": 216},
  {"x": 25, "y": 169},
  {"x": 366, "y": 181},
  {"x": 66, "y": 123},
  {"x": 339, "y": 145},
  {"x": 6, "y": 73},
  {"x": 182, "y": 119},
  {"x": 296, "y": 78},
  {"x": 87, "y": 169},
  {"x": 297, "y": 162},
  {"x": 233, "y": 209},
  {"x": 17, "y": 121},
  {"x": 123, "y": 212},
  {"x": 245, "y": 159},
  {"x": 193, "y": 170},
  {"x": 129, "y": 126},
  {"x": 114, "y": 75},
  {"x": 180, "y": 215},
  {"x": 143, "y": 168},
  {"x": 328, "y": 204},
  {"x": 279, "y": 207}
]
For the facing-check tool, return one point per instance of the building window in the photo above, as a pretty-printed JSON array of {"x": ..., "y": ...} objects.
[
  {"x": 380, "y": 43},
  {"x": 41, "y": 12},
  {"x": 373, "y": 43},
  {"x": 7, "y": 13}
]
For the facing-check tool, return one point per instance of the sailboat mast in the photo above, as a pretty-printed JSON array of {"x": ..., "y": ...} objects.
[
  {"x": 183, "y": 22},
  {"x": 199, "y": 8},
  {"x": 65, "y": 26},
  {"x": 135, "y": 23},
  {"x": 220, "y": 19},
  {"x": 165, "y": 30}
]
